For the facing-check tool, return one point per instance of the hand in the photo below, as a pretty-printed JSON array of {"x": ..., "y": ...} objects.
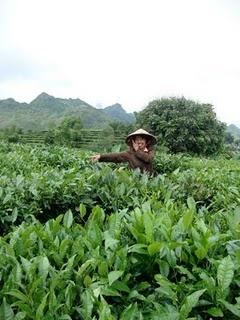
[{"x": 96, "y": 157}]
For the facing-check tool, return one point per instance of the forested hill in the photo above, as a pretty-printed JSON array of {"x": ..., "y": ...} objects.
[
  {"x": 117, "y": 113},
  {"x": 47, "y": 111},
  {"x": 234, "y": 130}
]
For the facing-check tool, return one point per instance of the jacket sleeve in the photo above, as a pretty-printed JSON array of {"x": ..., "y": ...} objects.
[
  {"x": 114, "y": 157},
  {"x": 145, "y": 156}
]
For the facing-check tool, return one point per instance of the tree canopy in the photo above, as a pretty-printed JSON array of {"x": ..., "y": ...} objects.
[
  {"x": 183, "y": 125},
  {"x": 68, "y": 132}
]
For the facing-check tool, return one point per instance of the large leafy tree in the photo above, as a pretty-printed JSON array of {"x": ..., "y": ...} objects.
[{"x": 183, "y": 125}]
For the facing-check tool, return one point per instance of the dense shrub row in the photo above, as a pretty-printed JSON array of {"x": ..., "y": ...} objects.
[{"x": 47, "y": 181}]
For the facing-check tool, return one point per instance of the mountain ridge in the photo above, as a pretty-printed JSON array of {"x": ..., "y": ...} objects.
[{"x": 46, "y": 111}]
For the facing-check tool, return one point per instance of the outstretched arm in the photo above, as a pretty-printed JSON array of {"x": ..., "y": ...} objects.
[{"x": 111, "y": 157}]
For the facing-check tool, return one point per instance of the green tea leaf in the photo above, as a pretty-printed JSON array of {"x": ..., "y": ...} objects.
[
  {"x": 231, "y": 307},
  {"x": 215, "y": 312},
  {"x": 14, "y": 214},
  {"x": 110, "y": 242},
  {"x": 87, "y": 305},
  {"x": 187, "y": 219},
  {"x": 138, "y": 248},
  {"x": 86, "y": 265},
  {"x": 40, "y": 309},
  {"x": 6, "y": 312},
  {"x": 201, "y": 252},
  {"x": 26, "y": 264},
  {"x": 121, "y": 286},
  {"x": 113, "y": 276},
  {"x": 82, "y": 210},
  {"x": 129, "y": 313},
  {"x": 164, "y": 268},
  {"x": 191, "y": 203},
  {"x": 20, "y": 316},
  {"x": 148, "y": 225},
  {"x": 43, "y": 267},
  {"x": 18, "y": 294},
  {"x": 154, "y": 248},
  {"x": 105, "y": 311},
  {"x": 166, "y": 287},
  {"x": 19, "y": 180},
  {"x": 136, "y": 295},
  {"x": 68, "y": 219},
  {"x": 185, "y": 271},
  {"x": 190, "y": 302},
  {"x": 225, "y": 272},
  {"x": 7, "y": 198}
]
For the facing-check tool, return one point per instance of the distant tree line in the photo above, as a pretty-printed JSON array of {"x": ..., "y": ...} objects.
[{"x": 180, "y": 125}]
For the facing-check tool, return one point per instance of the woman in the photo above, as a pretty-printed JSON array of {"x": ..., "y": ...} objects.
[{"x": 140, "y": 154}]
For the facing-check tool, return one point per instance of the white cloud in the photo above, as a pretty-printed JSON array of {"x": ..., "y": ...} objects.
[{"x": 123, "y": 51}]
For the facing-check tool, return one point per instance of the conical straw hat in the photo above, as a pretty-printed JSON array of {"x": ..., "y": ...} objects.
[{"x": 141, "y": 132}]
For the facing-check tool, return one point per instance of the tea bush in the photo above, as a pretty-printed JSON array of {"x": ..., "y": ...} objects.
[{"x": 98, "y": 241}]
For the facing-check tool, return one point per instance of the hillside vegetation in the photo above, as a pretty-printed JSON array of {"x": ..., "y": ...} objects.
[
  {"x": 234, "y": 130},
  {"x": 46, "y": 112}
]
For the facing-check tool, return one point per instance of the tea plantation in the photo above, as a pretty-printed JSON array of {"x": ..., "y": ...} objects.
[{"x": 97, "y": 241}]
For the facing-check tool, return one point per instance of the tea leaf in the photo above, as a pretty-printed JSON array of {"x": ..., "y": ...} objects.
[
  {"x": 19, "y": 295},
  {"x": 148, "y": 224},
  {"x": 225, "y": 272},
  {"x": 43, "y": 267},
  {"x": 6, "y": 312},
  {"x": 191, "y": 203},
  {"x": 130, "y": 313},
  {"x": 82, "y": 210},
  {"x": 40, "y": 309},
  {"x": 68, "y": 219},
  {"x": 190, "y": 302},
  {"x": 113, "y": 276},
  {"x": 231, "y": 307},
  {"x": 215, "y": 312},
  {"x": 153, "y": 248},
  {"x": 188, "y": 218}
]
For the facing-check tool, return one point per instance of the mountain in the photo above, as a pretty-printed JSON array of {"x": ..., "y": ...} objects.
[
  {"x": 46, "y": 111},
  {"x": 234, "y": 130},
  {"x": 117, "y": 113}
]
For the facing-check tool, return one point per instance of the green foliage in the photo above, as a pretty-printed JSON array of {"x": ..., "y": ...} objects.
[
  {"x": 45, "y": 181},
  {"x": 229, "y": 138},
  {"x": 234, "y": 131},
  {"x": 67, "y": 133},
  {"x": 11, "y": 134},
  {"x": 96, "y": 241},
  {"x": 121, "y": 129},
  {"x": 232, "y": 138},
  {"x": 13, "y": 138},
  {"x": 106, "y": 140},
  {"x": 183, "y": 125},
  {"x": 138, "y": 263}
]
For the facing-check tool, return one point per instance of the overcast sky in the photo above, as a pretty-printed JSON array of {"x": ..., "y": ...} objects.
[{"x": 125, "y": 51}]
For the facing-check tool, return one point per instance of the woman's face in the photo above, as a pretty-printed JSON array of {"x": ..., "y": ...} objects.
[{"x": 141, "y": 142}]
